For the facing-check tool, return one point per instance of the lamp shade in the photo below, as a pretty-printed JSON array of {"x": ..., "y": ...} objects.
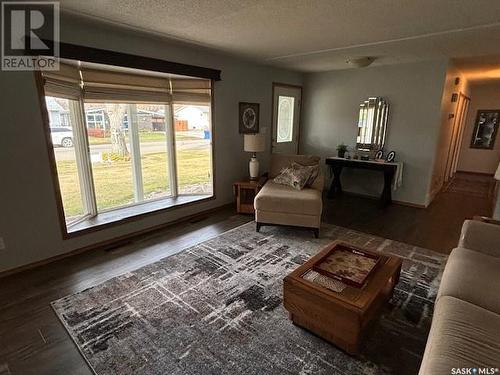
[{"x": 254, "y": 143}]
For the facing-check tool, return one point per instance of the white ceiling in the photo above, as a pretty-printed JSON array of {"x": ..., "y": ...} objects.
[
  {"x": 315, "y": 35},
  {"x": 480, "y": 69}
]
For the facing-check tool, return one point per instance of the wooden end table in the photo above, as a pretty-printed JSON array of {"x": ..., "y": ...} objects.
[
  {"x": 245, "y": 192},
  {"x": 339, "y": 317}
]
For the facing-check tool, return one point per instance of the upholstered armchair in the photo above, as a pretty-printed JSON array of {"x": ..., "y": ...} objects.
[{"x": 277, "y": 204}]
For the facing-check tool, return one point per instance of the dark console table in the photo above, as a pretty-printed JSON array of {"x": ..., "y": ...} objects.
[{"x": 337, "y": 164}]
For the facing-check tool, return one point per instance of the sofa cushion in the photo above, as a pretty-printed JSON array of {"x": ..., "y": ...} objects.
[
  {"x": 285, "y": 199},
  {"x": 314, "y": 169},
  {"x": 473, "y": 277},
  {"x": 462, "y": 335},
  {"x": 296, "y": 175},
  {"x": 479, "y": 236},
  {"x": 281, "y": 161}
]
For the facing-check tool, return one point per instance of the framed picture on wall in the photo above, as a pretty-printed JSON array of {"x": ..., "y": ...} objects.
[
  {"x": 249, "y": 118},
  {"x": 485, "y": 129}
]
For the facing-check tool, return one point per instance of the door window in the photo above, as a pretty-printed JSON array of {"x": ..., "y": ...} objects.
[{"x": 285, "y": 118}]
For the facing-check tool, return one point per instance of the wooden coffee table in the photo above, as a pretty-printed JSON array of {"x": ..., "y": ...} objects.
[{"x": 339, "y": 317}]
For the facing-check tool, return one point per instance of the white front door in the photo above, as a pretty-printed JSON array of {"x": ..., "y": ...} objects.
[{"x": 286, "y": 118}]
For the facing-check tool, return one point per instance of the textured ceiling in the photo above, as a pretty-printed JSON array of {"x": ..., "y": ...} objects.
[{"x": 315, "y": 35}]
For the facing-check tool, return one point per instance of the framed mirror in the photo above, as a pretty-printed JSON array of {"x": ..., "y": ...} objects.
[{"x": 372, "y": 124}]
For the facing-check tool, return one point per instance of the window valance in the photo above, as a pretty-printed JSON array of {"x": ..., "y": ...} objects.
[{"x": 112, "y": 85}]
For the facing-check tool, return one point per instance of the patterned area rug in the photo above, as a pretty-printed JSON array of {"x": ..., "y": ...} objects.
[{"x": 216, "y": 308}]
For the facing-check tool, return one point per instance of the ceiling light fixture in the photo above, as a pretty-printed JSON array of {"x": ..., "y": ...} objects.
[{"x": 360, "y": 62}]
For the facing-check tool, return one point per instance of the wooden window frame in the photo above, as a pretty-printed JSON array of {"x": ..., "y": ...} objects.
[{"x": 89, "y": 54}]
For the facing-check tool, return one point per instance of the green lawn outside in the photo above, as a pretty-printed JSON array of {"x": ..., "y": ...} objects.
[
  {"x": 70, "y": 188},
  {"x": 146, "y": 136},
  {"x": 113, "y": 181}
]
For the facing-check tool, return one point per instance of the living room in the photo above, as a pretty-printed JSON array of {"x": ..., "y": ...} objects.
[{"x": 142, "y": 240}]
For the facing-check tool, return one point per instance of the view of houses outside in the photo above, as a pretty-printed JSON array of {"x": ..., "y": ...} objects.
[
  {"x": 67, "y": 171},
  {"x": 110, "y": 157}
]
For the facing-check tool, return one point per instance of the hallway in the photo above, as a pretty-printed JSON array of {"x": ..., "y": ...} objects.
[{"x": 437, "y": 227}]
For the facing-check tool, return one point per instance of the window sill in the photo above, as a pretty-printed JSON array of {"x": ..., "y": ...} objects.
[{"x": 125, "y": 214}]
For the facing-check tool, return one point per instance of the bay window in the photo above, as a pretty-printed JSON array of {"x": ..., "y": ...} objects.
[{"x": 140, "y": 140}]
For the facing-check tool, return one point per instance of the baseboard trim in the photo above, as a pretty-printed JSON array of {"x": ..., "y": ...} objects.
[{"x": 112, "y": 243}]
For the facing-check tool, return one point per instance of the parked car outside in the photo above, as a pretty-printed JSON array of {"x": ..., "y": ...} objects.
[{"x": 62, "y": 136}]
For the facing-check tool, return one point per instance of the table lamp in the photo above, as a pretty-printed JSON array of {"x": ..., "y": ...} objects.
[{"x": 254, "y": 143}]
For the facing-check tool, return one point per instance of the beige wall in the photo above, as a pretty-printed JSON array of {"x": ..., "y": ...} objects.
[
  {"x": 28, "y": 217},
  {"x": 414, "y": 92},
  {"x": 447, "y": 123},
  {"x": 483, "y": 96}
]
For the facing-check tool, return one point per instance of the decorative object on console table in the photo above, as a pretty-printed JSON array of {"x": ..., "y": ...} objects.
[
  {"x": 254, "y": 143},
  {"x": 372, "y": 124},
  {"x": 249, "y": 118},
  {"x": 341, "y": 317},
  {"x": 341, "y": 150},
  {"x": 245, "y": 192},
  {"x": 390, "y": 157},
  {"x": 485, "y": 130}
]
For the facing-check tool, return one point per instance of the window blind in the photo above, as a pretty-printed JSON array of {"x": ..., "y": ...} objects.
[
  {"x": 191, "y": 90},
  {"x": 112, "y": 85},
  {"x": 109, "y": 86},
  {"x": 63, "y": 83}
]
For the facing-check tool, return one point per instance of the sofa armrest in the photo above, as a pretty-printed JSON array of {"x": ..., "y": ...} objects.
[
  {"x": 319, "y": 182},
  {"x": 486, "y": 219},
  {"x": 480, "y": 236}
]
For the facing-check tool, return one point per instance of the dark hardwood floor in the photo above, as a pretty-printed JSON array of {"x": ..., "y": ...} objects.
[
  {"x": 32, "y": 341},
  {"x": 437, "y": 227}
]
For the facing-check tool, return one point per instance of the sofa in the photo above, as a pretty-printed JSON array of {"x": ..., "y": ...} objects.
[
  {"x": 277, "y": 204},
  {"x": 465, "y": 331}
]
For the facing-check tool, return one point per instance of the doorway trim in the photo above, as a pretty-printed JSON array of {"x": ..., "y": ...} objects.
[{"x": 455, "y": 145}]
